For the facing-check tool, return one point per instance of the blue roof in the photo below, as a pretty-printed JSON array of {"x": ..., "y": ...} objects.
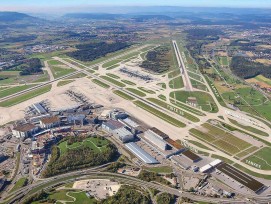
[{"x": 140, "y": 153}]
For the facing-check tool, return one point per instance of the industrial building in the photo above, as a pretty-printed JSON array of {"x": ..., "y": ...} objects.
[
  {"x": 24, "y": 130},
  {"x": 132, "y": 125},
  {"x": 191, "y": 156},
  {"x": 140, "y": 153},
  {"x": 123, "y": 134},
  {"x": 240, "y": 177},
  {"x": 158, "y": 133},
  {"x": 156, "y": 140},
  {"x": 210, "y": 166},
  {"x": 49, "y": 122},
  {"x": 111, "y": 125}
]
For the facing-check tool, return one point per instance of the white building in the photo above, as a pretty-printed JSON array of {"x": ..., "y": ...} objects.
[
  {"x": 49, "y": 122},
  {"x": 24, "y": 130}
]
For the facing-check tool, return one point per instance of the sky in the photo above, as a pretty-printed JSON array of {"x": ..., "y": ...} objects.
[{"x": 42, "y": 4}]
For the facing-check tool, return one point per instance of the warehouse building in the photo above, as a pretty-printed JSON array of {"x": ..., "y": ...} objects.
[
  {"x": 123, "y": 134},
  {"x": 191, "y": 156},
  {"x": 24, "y": 130},
  {"x": 240, "y": 177},
  {"x": 140, "y": 153},
  {"x": 156, "y": 140},
  {"x": 132, "y": 125},
  {"x": 210, "y": 166},
  {"x": 111, "y": 125},
  {"x": 158, "y": 133}
]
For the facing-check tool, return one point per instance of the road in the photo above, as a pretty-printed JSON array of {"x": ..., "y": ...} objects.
[
  {"x": 185, "y": 76},
  {"x": 82, "y": 174}
]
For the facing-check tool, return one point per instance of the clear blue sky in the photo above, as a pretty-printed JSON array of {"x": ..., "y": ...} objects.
[{"x": 5, "y": 4}]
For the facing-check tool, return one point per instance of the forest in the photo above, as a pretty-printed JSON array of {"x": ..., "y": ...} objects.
[
  {"x": 92, "y": 51},
  {"x": 156, "y": 60},
  {"x": 81, "y": 157},
  {"x": 246, "y": 68}
]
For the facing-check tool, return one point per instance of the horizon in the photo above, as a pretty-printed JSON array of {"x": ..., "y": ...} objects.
[{"x": 51, "y": 6}]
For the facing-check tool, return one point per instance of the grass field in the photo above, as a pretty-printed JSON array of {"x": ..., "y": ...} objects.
[
  {"x": 112, "y": 67},
  {"x": 187, "y": 108},
  {"x": 96, "y": 144},
  {"x": 136, "y": 92},
  {"x": 128, "y": 82},
  {"x": 123, "y": 95},
  {"x": 159, "y": 114},
  {"x": 221, "y": 139},
  {"x": 113, "y": 81},
  {"x": 146, "y": 90},
  {"x": 163, "y": 85},
  {"x": 223, "y": 60},
  {"x": 26, "y": 96},
  {"x": 113, "y": 76},
  {"x": 198, "y": 85},
  {"x": 263, "y": 79},
  {"x": 100, "y": 83},
  {"x": 163, "y": 97},
  {"x": 176, "y": 83},
  {"x": 59, "y": 69},
  {"x": 198, "y": 144},
  {"x": 63, "y": 83},
  {"x": 252, "y": 101},
  {"x": 69, "y": 196},
  {"x": 194, "y": 76},
  {"x": 13, "y": 90},
  {"x": 111, "y": 63},
  {"x": 261, "y": 159},
  {"x": 20, "y": 183},
  {"x": 173, "y": 109},
  {"x": 160, "y": 169},
  {"x": 174, "y": 74},
  {"x": 204, "y": 100},
  {"x": 246, "y": 152},
  {"x": 249, "y": 128}
]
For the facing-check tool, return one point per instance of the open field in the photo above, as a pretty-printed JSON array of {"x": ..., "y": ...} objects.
[
  {"x": 20, "y": 183},
  {"x": 159, "y": 114},
  {"x": 13, "y": 90},
  {"x": 249, "y": 128},
  {"x": 128, "y": 82},
  {"x": 146, "y": 90},
  {"x": 64, "y": 82},
  {"x": 160, "y": 169},
  {"x": 173, "y": 109},
  {"x": 174, "y": 73},
  {"x": 198, "y": 144},
  {"x": 261, "y": 159},
  {"x": 26, "y": 96},
  {"x": 163, "y": 97},
  {"x": 223, "y": 60},
  {"x": 247, "y": 151},
  {"x": 111, "y": 63},
  {"x": 176, "y": 83},
  {"x": 198, "y": 85},
  {"x": 221, "y": 139},
  {"x": 136, "y": 92},
  {"x": 204, "y": 100},
  {"x": 70, "y": 196},
  {"x": 123, "y": 95},
  {"x": 96, "y": 144},
  {"x": 187, "y": 108},
  {"x": 59, "y": 69},
  {"x": 113, "y": 76},
  {"x": 113, "y": 81},
  {"x": 100, "y": 83}
]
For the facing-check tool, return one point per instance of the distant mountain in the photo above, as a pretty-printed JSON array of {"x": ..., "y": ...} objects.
[
  {"x": 14, "y": 16},
  {"x": 106, "y": 16}
]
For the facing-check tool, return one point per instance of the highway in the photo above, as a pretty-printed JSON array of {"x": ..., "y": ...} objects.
[
  {"x": 185, "y": 76},
  {"x": 30, "y": 190}
]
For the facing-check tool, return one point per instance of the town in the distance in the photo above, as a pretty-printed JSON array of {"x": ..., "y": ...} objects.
[{"x": 136, "y": 107}]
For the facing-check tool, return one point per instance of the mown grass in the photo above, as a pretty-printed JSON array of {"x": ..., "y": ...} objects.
[
  {"x": 26, "y": 96},
  {"x": 100, "y": 83}
]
